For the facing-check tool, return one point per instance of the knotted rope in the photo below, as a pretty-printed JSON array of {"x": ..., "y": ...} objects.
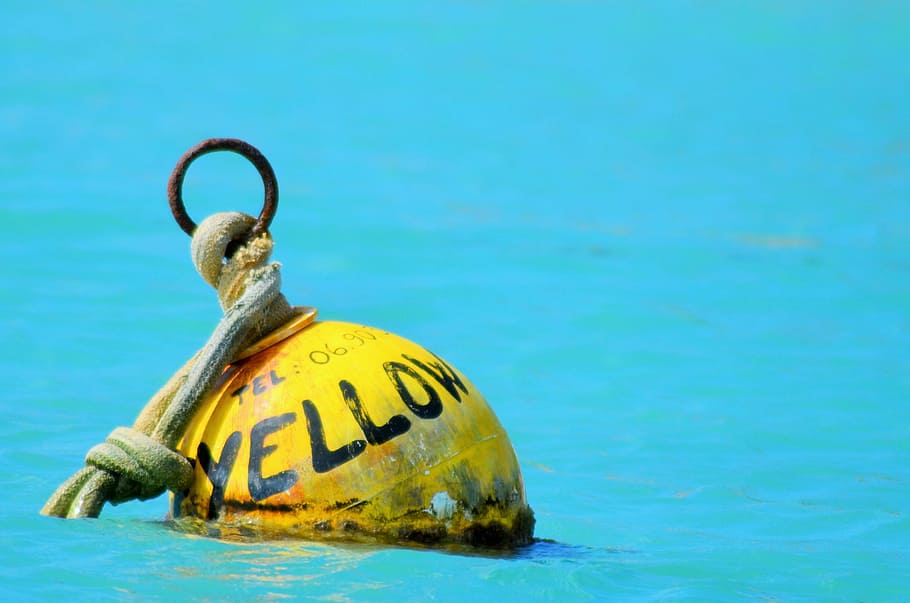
[{"x": 140, "y": 462}]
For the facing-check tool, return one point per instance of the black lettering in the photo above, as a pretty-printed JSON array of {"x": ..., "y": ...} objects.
[
  {"x": 275, "y": 378},
  {"x": 433, "y": 406},
  {"x": 263, "y": 487},
  {"x": 324, "y": 459},
  {"x": 218, "y": 472},
  {"x": 396, "y": 425},
  {"x": 239, "y": 393},
  {"x": 443, "y": 374},
  {"x": 258, "y": 386}
]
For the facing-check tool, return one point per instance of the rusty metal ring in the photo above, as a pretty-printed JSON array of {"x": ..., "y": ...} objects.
[{"x": 175, "y": 184}]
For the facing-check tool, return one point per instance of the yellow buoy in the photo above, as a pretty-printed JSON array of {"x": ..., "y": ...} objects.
[
  {"x": 320, "y": 429},
  {"x": 332, "y": 429}
]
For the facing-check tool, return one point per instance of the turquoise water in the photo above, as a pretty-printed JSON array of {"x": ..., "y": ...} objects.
[{"x": 668, "y": 241}]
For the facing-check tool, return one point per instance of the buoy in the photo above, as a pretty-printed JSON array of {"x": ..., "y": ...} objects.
[
  {"x": 333, "y": 429},
  {"x": 318, "y": 429}
]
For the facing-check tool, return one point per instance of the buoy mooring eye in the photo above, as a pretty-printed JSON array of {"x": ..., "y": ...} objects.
[{"x": 245, "y": 149}]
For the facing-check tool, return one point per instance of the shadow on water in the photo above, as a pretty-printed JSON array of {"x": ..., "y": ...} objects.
[{"x": 543, "y": 549}]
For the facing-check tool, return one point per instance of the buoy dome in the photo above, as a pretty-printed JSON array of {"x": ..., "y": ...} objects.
[{"x": 343, "y": 430}]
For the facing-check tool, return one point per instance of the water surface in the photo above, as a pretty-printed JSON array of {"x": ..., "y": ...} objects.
[{"x": 668, "y": 241}]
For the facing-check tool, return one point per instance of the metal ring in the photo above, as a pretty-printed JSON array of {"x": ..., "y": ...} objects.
[{"x": 175, "y": 184}]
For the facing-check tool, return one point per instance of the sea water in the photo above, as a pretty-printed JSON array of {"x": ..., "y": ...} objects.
[{"x": 669, "y": 242}]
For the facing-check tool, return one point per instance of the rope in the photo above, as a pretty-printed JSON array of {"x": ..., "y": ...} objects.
[{"x": 140, "y": 462}]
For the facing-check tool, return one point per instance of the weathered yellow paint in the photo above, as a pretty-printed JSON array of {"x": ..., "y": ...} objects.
[{"x": 427, "y": 461}]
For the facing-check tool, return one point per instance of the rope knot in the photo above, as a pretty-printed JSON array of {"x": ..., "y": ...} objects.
[
  {"x": 144, "y": 468},
  {"x": 248, "y": 262},
  {"x": 140, "y": 462}
]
